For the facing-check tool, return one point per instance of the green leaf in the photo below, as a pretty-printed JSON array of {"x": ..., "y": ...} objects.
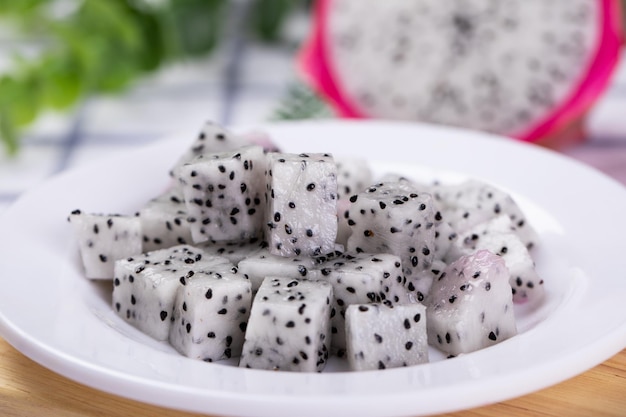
[
  {"x": 268, "y": 17},
  {"x": 300, "y": 102}
]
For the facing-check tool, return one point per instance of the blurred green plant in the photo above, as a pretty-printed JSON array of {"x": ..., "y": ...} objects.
[{"x": 86, "y": 47}]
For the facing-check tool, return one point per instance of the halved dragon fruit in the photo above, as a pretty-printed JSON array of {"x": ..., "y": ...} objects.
[
  {"x": 289, "y": 326},
  {"x": 381, "y": 337},
  {"x": 521, "y": 68},
  {"x": 103, "y": 239},
  {"x": 224, "y": 194},
  {"x": 144, "y": 287},
  {"x": 470, "y": 305},
  {"x": 302, "y": 204}
]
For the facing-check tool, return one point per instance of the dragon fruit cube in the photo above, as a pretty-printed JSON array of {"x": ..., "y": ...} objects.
[
  {"x": 360, "y": 278},
  {"x": 144, "y": 287},
  {"x": 381, "y": 337},
  {"x": 498, "y": 236},
  {"x": 470, "y": 305},
  {"x": 289, "y": 326},
  {"x": 103, "y": 239},
  {"x": 302, "y": 204},
  {"x": 262, "y": 263},
  {"x": 164, "y": 221},
  {"x": 473, "y": 202},
  {"x": 210, "y": 316},
  {"x": 214, "y": 138},
  {"x": 353, "y": 177},
  {"x": 392, "y": 218},
  {"x": 224, "y": 194}
]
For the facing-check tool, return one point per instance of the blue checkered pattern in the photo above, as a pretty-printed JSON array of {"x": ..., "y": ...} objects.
[{"x": 240, "y": 84}]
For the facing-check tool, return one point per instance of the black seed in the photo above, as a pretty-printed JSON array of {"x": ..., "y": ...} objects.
[
  {"x": 222, "y": 311},
  {"x": 488, "y": 286},
  {"x": 417, "y": 318},
  {"x": 378, "y": 338},
  {"x": 277, "y": 217},
  {"x": 310, "y": 187},
  {"x": 211, "y": 335},
  {"x": 209, "y": 294},
  {"x": 492, "y": 336},
  {"x": 408, "y": 345},
  {"x": 452, "y": 299},
  {"x": 103, "y": 258},
  {"x": 188, "y": 327},
  {"x": 448, "y": 338},
  {"x": 354, "y": 198},
  {"x": 363, "y": 308},
  {"x": 290, "y": 324}
]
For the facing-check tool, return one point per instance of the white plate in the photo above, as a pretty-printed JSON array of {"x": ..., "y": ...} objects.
[{"x": 52, "y": 314}]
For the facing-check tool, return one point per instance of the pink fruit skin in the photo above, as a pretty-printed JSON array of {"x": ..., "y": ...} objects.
[{"x": 315, "y": 67}]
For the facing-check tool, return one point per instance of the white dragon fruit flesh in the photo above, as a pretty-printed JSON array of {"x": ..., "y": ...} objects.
[
  {"x": 470, "y": 305},
  {"x": 497, "y": 236},
  {"x": 472, "y": 202},
  {"x": 302, "y": 204},
  {"x": 262, "y": 263},
  {"x": 353, "y": 177},
  {"x": 390, "y": 218},
  {"x": 235, "y": 251},
  {"x": 289, "y": 326},
  {"x": 359, "y": 279},
  {"x": 224, "y": 194},
  {"x": 103, "y": 239},
  {"x": 381, "y": 337},
  {"x": 210, "y": 315},
  {"x": 425, "y": 278},
  {"x": 144, "y": 287},
  {"x": 164, "y": 221},
  {"x": 214, "y": 138},
  {"x": 522, "y": 68}
]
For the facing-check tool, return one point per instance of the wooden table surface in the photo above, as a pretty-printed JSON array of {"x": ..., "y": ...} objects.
[{"x": 28, "y": 389}]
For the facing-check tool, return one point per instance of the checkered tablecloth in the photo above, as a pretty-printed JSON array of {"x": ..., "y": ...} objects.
[{"x": 240, "y": 84}]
